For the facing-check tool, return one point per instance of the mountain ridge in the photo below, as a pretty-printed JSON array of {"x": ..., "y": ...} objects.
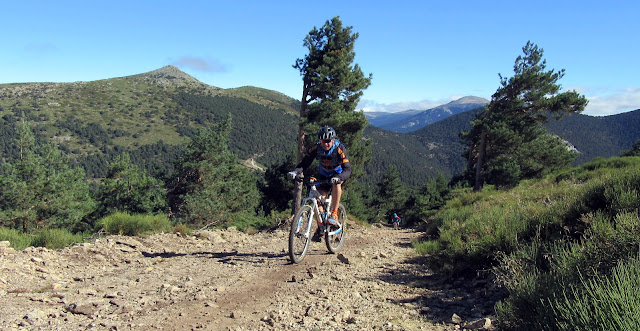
[
  {"x": 151, "y": 114},
  {"x": 411, "y": 120}
]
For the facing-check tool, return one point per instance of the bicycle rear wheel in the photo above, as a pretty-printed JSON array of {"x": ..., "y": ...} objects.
[
  {"x": 299, "y": 238},
  {"x": 334, "y": 237}
]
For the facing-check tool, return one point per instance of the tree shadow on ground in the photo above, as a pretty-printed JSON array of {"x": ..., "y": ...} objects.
[
  {"x": 471, "y": 295},
  {"x": 222, "y": 257}
]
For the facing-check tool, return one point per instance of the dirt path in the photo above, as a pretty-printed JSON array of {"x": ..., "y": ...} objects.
[{"x": 227, "y": 280}]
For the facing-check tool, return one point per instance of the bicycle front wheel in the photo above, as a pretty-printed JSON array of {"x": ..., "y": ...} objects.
[
  {"x": 334, "y": 237},
  {"x": 300, "y": 234}
]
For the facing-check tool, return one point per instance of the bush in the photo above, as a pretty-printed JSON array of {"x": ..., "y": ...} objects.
[
  {"x": 122, "y": 223},
  {"x": 18, "y": 240},
  {"x": 558, "y": 245},
  {"x": 49, "y": 238},
  {"x": 603, "y": 302},
  {"x": 426, "y": 247},
  {"x": 56, "y": 238}
]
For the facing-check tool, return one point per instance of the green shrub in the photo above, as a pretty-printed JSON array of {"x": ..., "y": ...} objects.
[
  {"x": 603, "y": 302},
  {"x": 551, "y": 242},
  {"x": 56, "y": 238},
  {"x": 122, "y": 223},
  {"x": 426, "y": 247},
  {"x": 18, "y": 240},
  {"x": 49, "y": 238}
]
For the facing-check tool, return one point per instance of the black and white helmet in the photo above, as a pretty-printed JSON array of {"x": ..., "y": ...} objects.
[{"x": 326, "y": 133}]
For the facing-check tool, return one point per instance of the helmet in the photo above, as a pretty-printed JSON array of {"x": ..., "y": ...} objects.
[{"x": 326, "y": 133}]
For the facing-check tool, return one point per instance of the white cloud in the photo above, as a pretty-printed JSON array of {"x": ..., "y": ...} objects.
[
  {"x": 201, "y": 64},
  {"x": 603, "y": 102}
]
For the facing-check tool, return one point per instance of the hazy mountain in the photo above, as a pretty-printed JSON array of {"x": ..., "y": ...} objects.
[
  {"x": 380, "y": 118},
  {"x": 412, "y": 120}
]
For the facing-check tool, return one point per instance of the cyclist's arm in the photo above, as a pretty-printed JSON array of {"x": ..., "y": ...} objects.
[
  {"x": 346, "y": 165},
  {"x": 308, "y": 158}
]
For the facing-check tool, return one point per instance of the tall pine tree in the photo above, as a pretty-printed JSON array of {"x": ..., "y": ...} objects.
[
  {"x": 507, "y": 141},
  {"x": 332, "y": 87},
  {"x": 210, "y": 185},
  {"x": 130, "y": 189},
  {"x": 40, "y": 189}
]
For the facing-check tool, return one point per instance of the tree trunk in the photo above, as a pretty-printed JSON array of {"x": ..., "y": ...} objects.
[
  {"x": 479, "y": 162},
  {"x": 297, "y": 192}
]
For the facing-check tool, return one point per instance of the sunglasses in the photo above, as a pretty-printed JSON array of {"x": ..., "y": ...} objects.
[{"x": 326, "y": 141}]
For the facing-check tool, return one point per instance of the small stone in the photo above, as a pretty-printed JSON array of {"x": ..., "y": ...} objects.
[
  {"x": 483, "y": 323},
  {"x": 343, "y": 259}
]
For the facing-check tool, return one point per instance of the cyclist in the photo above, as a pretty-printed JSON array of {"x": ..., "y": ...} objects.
[
  {"x": 333, "y": 165},
  {"x": 396, "y": 220}
]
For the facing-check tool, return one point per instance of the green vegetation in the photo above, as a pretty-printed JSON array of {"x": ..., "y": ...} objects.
[
  {"x": 508, "y": 141},
  {"x": 125, "y": 224},
  {"x": 162, "y": 152},
  {"x": 210, "y": 187},
  {"x": 50, "y": 238},
  {"x": 331, "y": 89},
  {"x": 127, "y": 188},
  {"x": 557, "y": 243},
  {"x": 40, "y": 189}
]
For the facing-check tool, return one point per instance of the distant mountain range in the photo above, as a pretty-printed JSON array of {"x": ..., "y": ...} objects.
[
  {"x": 150, "y": 115},
  {"x": 437, "y": 148},
  {"x": 412, "y": 120}
]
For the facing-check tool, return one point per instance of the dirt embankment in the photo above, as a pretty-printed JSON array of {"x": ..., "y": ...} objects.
[{"x": 228, "y": 280}]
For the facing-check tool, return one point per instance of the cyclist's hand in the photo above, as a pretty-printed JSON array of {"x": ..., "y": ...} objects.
[
  {"x": 335, "y": 180},
  {"x": 297, "y": 173}
]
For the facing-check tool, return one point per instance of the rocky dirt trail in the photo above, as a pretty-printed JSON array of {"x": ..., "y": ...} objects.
[{"x": 228, "y": 280}]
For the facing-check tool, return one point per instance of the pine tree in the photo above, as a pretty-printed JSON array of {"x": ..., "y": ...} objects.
[
  {"x": 507, "y": 141},
  {"x": 390, "y": 195},
  {"x": 130, "y": 189},
  {"x": 332, "y": 87},
  {"x": 211, "y": 186},
  {"x": 41, "y": 190},
  {"x": 634, "y": 151}
]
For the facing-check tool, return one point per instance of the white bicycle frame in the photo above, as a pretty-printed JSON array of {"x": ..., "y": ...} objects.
[{"x": 314, "y": 195}]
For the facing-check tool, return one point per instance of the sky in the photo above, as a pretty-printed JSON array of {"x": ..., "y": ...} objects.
[{"x": 420, "y": 53}]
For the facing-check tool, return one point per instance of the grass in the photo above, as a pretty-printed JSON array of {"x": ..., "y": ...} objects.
[
  {"x": 49, "y": 238},
  {"x": 550, "y": 241},
  {"x": 122, "y": 223}
]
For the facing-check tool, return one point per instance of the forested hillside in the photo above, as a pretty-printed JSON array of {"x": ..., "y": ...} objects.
[
  {"x": 599, "y": 136},
  {"x": 437, "y": 148},
  {"x": 148, "y": 115}
]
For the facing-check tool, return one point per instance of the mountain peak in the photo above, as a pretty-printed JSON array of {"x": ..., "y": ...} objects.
[
  {"x": 470, "y": 99},
  {"x": 170, "y": 72}
]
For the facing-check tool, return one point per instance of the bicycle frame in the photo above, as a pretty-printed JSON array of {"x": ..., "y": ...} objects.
[
  {"x": 302, "y": 225},
  {"x": 314, "y": 196}
]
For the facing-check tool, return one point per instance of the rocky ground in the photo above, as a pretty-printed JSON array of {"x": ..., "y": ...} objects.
[{"x": 228, "y": 280}]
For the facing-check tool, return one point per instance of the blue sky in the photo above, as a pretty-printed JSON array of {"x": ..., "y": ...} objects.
[{"x": 421, "y": 53}]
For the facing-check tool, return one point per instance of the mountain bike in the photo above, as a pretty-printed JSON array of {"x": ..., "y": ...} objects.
[{"x": 309, "y": 218}]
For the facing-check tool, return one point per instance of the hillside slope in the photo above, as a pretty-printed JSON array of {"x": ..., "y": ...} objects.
[{"x": 148, "y": 115}]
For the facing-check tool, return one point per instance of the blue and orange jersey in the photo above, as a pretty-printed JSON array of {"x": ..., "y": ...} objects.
[{"x": 333, "y": 162}]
